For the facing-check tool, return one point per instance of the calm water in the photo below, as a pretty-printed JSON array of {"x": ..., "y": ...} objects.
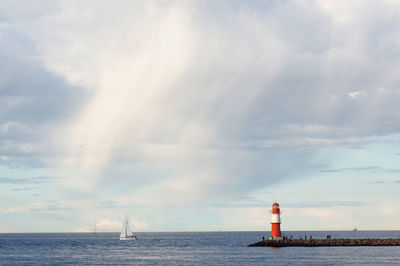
[{"x": 205, "y": 248}]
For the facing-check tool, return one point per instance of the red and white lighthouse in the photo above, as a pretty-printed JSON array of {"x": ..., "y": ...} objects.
[{"x": 276, "y": 222}]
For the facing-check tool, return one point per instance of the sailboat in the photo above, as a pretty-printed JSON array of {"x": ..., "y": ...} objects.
[{"x": 126, "y": 233}]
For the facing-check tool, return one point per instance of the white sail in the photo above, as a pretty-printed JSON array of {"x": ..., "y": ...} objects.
[{"x": 123, "y": 233}]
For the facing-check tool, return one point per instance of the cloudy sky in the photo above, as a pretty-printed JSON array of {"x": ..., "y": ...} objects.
[{"x": 197, "y": 115}]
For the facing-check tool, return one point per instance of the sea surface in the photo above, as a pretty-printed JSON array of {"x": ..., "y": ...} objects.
[{"x": 188, "y": 248}]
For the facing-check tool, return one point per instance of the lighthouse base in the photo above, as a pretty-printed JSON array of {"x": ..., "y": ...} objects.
[{"x": 276, "y": 238}]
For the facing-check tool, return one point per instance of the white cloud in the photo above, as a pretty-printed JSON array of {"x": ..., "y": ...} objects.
[
  {"x": 109, "y": 225},
  {"x": 83, "y": 230},
  {"x": 115, "y": 226},
  {"x": 155, "y": 78},
  {"x": 355, "y": 94},
  {"x": 138, "y": 225},
  {"x": 185, "y": 103},
  {"x": 243, "y": 218},
  {"x": 342, "y": 11},
  {"x": 38, "y": 208}
]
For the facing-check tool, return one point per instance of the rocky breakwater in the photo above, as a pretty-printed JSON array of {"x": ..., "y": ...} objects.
[{"x": 327, "y": 242}]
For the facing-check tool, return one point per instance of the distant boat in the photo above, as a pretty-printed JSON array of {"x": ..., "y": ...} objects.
[
  {"x": 126, "y": 233},
  {"x": 355, "y": 229}
]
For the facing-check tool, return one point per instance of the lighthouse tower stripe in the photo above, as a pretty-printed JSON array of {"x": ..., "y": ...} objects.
[{"x": 276, "y": 218}]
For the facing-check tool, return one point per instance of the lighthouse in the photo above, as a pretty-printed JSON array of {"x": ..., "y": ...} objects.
[{"x": 276, "y": 222}]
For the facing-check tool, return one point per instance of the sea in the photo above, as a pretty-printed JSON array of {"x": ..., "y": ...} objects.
[{"x": 188, "y": 248}]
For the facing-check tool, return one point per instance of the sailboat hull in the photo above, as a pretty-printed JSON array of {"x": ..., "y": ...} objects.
[{"x": 128, "y": 238}]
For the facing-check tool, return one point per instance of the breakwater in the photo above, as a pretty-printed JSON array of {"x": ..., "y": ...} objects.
[{"x": 327, "y": 242}]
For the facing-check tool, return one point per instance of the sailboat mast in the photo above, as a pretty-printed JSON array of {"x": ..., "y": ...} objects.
[{"x": 126, "y": 226}]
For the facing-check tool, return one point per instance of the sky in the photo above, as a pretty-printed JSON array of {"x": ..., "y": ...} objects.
[{"x": 198, "y": 115}]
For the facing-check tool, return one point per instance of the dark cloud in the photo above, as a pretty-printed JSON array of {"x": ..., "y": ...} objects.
[
  {"x": 330, "y": 171},
  {"x": 30, "y": 94},
  {"x": 29, "y": 180},
  {"x": 242, "y": 204},
  {"x": 107, "y": 204},
  {"x": 21, "y": 189},
  {"x": 356, "y": 169},
  {"x": 33, "y": 101},
  {"x": 53, "y": 207},
  {"x": 368, "y": 168},
  {"x": 395, "y": 171},
  {"x": 323, "y": 204},
  {"x": 377, "y": 182}
]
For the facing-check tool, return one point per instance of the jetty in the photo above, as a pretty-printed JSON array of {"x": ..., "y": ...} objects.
[
  {"x": 277, "y": 240},
  {"x": 327, "y": 242}
]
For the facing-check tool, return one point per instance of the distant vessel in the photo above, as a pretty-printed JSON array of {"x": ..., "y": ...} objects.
[
  {"x": 355, "y": 229},
  {"x": 126, "y": 233}
]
